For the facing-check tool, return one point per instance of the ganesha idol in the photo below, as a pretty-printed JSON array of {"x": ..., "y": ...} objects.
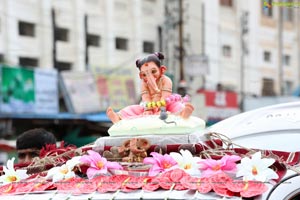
[{"x": 161, "y": 111}]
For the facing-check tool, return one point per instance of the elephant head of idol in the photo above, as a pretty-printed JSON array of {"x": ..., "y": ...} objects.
[{"x": 151, "y": 70}]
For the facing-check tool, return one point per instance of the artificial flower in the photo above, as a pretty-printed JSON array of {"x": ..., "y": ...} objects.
[
  {"x": 12, "y": 175},
  {"x": 256, "y": 168},
  {"x": 247, "y": 189},
  {"x": 160, "y": 163},
  {"x": 218, "y": 183},
  {"x": 73, "y": 162},
  {"x": 212, "y": 166},
  {"x": 187, "y": 161},
  {"x": 98, "y": 164},
  {"x": 65, "y": 171}
]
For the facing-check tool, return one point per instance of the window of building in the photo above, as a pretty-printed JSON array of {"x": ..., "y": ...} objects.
[
  {"x": 148, "y": 47},
  {"x": 26, "y": 29},
  {"x": 267, "y": 8},
  {"x": 226, "y": 3},
  {"x": 226, "y": 51},
  {"x": 267, "y": 56},
  {"x": 268, "y": 87},
  {"x": 63, "y": 66},
  {"x": 92, "y": 1},
  {"x": 62, "y": 34},
  {"x": 288, "y": 88},
  {"x": 1, "y": 58},
  {"x": 93, "y": 40},
  {"x": 121, "y": 5},
  {"x": 28, "y": 62},
  {"x": 286, "y": 60},
  {"x": 288, "y": 12},
  {"x": 121, "y": 44}
]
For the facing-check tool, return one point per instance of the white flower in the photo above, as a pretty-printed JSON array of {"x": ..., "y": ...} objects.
[
  {"x": 187, "y": 162},
  {"x": 12, "y": 175},
  {"x": 73, "y": 162},
  {"x": 256, "y": 168},
  {"x": 60, "y": 173},
  {"x": 63, "y": 172}
]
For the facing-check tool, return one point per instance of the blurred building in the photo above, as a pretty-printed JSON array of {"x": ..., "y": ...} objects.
[
  {"x": 78, "y": 34},
  {"x": 251, "y": 47}
]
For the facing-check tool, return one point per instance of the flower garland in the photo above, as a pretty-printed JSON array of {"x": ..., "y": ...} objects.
[
  {"x": 174, "y": 171},
  {"x": 223, "y": 172}
]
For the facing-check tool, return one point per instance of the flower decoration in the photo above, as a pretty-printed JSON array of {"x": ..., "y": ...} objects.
[
  {"x": 256, "y": 168},
  {"x": 247, "y": 188},
  {"x": 53, "y": 150},
  {"x": 174, "y": 171},
  {"x": 65, "y": 171},
  {"x": 98, "y": 164},
  {"x": 187, "y": 161},
  {"x": 75, "y": 161},
  {"x": 160, "y": 163},
  {"x": 226, "y": 164},
  {"x": 12, "y": 175}
]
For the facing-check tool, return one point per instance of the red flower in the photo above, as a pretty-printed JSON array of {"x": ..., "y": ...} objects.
[
  {"x": 247, "y": 188},
  {"x": 193, "y": 183},
  {"x": 219, "y": 184}
]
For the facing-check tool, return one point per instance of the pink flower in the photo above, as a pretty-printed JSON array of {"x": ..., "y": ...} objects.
[
  {"x": 98, "y": 164},
  {"x": 225, "y": 164},
  {"x": 160, "y": 163}
]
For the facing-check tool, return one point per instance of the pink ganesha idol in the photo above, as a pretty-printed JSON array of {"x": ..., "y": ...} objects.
[{"x": 156, "y": 92}]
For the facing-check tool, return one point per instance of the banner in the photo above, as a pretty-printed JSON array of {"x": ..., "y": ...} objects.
[
  {"x": 46, "y": 91},
  {"x": 116, "y": 91},
  {"x": 219, "y": 105},
  {"x": 28, "y": 91},
  {"x": 80, "y": 92}
]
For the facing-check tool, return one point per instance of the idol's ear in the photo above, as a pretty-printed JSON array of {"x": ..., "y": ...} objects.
[
  {"x": 141, "y": 76},
  {"x": 163, "y": 69}
]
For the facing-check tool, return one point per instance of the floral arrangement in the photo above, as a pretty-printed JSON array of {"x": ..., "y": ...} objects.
[{"x": 227, "y": 176}]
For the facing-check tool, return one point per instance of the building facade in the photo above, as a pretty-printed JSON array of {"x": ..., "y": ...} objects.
[
  {"x": 251, "y": 47},
  {"x": 81, "y": 34}
]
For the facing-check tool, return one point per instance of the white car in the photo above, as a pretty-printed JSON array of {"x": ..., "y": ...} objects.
[
  {"x": 274, "y": 127},
  {"x": 278, "y": 124}
]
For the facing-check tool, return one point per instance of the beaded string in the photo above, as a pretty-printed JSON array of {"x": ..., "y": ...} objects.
[{"x": 163, "y": 103}]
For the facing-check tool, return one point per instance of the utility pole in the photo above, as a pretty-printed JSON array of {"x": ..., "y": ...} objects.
[
  {"x": 181, "y": 77},
  {"x": 298, "y": 24},
  {"x": 54, "y": 38},
  {"x": 86, "y": 43},
  {"x": 280, "y": 47},
  {"x": 244, "y": 31},
  {"x": 203, "y": 52},
  {"x": 160, "y": 38},
  {"x": 203, "y": 28}
]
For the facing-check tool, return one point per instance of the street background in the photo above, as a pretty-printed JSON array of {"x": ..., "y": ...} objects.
[{"x": 63, "y": 62}]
